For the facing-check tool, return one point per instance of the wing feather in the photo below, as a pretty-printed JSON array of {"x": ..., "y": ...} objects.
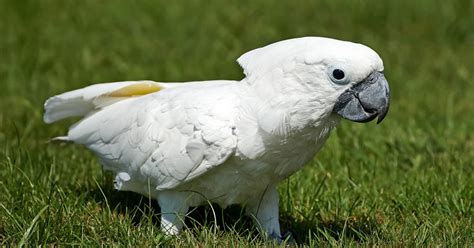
[{"x": 167, "y": 138}]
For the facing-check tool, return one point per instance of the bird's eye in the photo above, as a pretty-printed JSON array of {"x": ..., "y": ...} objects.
[{"x": 338, "y": 76}]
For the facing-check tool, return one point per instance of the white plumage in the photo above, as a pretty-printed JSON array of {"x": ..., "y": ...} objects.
[{"x": 230, "y": 142}]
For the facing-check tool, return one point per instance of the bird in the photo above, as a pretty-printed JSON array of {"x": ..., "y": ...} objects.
[{"x": 228, "y": 142}]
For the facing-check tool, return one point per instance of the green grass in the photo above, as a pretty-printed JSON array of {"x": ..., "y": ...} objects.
[{"x": 406, "y": 182}]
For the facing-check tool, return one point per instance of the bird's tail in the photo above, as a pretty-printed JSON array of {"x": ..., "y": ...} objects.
[{"x": 82, "y": 102}]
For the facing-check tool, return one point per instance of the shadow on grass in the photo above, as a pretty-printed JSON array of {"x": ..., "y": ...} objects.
[
  {"x": 139, "y": 207},
  {"x": 233, "y": 219},
  {"x": 355, "y": 228}
]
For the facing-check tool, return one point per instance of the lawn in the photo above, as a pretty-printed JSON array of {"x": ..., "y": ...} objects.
[{"x": 405, "y": 182}]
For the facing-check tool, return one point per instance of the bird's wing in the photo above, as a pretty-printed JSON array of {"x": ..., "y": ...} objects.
[
  {"x": 84, "y": 101},
  {"x": 169, "y": 137},
  {"x": 81, "y": 102}
]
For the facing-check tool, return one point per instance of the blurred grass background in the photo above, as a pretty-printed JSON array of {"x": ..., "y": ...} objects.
[{"x": 408, "y": 181}]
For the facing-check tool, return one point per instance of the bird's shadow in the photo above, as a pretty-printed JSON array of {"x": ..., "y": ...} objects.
[{"x": 233, "y": 218}]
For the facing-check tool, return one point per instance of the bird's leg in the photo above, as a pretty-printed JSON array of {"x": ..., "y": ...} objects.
[
  {"x": 265, "y": 211},
  {"x": 173, "y": 210}
]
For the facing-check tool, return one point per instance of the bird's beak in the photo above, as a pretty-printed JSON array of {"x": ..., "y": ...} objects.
[{"x": 365, "y": 100}]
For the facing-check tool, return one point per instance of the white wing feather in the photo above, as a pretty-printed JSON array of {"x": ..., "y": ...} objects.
[
  {"x": 168, "y": 137},
  {"x": 83, "y": 101}
]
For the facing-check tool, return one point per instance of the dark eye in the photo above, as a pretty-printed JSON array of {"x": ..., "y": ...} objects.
[{"x": 338, "y": 74}]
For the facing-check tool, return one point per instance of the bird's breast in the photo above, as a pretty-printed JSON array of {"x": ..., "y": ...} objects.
[{"x": 240, "y": 179}]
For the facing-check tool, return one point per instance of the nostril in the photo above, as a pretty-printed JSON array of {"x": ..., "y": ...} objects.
[{"x": 372, "y": 78}]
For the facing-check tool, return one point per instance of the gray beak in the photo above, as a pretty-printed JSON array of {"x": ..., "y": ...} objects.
[{"x": 365, "y": 100}]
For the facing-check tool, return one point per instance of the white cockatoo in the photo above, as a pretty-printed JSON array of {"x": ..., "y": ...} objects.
[{"x": 224, "y": 141}]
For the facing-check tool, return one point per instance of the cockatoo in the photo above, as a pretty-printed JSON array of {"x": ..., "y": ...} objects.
[{"x": 223, "y": 141}]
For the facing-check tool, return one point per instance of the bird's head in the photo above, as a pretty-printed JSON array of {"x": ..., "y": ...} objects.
[{"x": 336, "y": 77}]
